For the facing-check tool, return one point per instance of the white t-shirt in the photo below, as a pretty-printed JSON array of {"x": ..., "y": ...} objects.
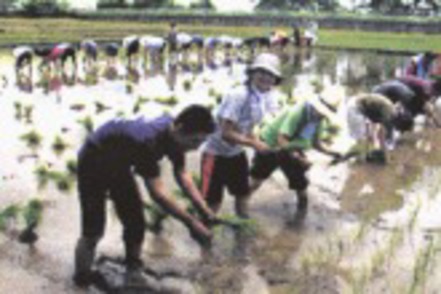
[{"x": 246, "y": 108}]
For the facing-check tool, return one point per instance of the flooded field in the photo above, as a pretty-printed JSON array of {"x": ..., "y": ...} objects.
[{"x": 368, "y": 229}]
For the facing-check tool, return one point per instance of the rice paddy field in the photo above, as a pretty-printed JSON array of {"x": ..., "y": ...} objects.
[
  {"x": 368, "y": 228},
  {"x": 53, "y": 30}
]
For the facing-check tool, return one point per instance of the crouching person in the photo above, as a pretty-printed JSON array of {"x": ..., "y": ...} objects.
[
  {"x": 107, "y": 163},
  {"x": 289, "y": 135}
]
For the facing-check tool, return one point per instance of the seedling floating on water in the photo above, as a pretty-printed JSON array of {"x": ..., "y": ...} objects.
[{"x": 33, "y": 139}]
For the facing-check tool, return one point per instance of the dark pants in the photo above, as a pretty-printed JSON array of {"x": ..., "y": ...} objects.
[
  {"x": 265, "y": 163},
  {"x": 219, "y": 172},
  {"x": 98, "y": 180}
]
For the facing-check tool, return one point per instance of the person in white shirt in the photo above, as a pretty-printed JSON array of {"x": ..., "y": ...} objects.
[{"x": 224, "y": 162}]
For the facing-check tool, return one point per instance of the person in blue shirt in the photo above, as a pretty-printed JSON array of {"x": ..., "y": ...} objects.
[{"x": 107, "y": 163}]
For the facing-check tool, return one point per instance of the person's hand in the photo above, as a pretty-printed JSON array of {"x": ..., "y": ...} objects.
[
  {"x": 306, "y": 164},
  {"x": 260, "y": 146},
  {"x": 200, "y": 233}
]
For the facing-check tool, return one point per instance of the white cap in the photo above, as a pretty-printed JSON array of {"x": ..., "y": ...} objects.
[{"x": 268, "y": 62}]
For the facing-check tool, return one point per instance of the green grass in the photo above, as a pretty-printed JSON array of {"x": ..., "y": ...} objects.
[{"x": 25, "y": 30}]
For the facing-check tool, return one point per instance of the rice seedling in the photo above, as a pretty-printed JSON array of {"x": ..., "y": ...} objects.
[
  {"x": 8, "y": 214},
  {"x": 421, "y": 267},
  {"x": 360, "y": 279},
  {"x": 43, "y": 175},
  {"x": 187, "y": 85},
  {"x": 18, "y": 110},
  {"x": 87, "y": 123},
  {"x": 155, "y": 217},
  {"x": 64, "y": 182},
  {"x": 32, "y": 139},
  {"x": 249, "y": 227},
  {"x": 110, "y": 73},
  {"x": 362, "y": 231},
  {"x": 33, "y": 212},
  {"x": 414, "y": 215},
  {"x": 171, "y": 100},
  {"x": 100, "y": 107},
  {"x": 129, "y": 88},
  {"x": 138, "y": 104},
  {"x": 59, "y": 145},
  {"x": 72, "y": 167}
]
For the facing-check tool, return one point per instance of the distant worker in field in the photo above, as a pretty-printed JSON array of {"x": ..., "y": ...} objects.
[
  {"x": 131, "y": 45},
  {"x": 371, "y": 119},
  {"x": 57, "y": 56},
  {"x": 90, "y": 53},
  {"x": 311, "y": 34},
  {"x": 289, "y": 135},
  {"x": 224, "y": 162},
  {"x": 107, "y": 163},
  {"x": 152, "y": 49},
  {"x": 23, "y": 59},
  {"x": 172, "y": 43},
  {"x": 421, "y": 65},
  {"x": 415, "y": 95}
]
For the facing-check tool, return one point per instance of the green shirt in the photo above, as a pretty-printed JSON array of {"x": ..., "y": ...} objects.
[{"x": 291, "y": 123}]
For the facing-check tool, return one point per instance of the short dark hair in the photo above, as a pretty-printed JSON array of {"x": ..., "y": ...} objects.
[
  {"x": 403, "y": 121},
  {"x": 196, "y": 119}
]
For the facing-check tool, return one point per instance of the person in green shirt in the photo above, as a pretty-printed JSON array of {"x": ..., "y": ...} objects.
[{"x": 290, "y": 134}]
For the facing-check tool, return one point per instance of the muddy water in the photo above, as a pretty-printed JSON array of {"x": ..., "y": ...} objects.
[{"x": 368, "y": 229}]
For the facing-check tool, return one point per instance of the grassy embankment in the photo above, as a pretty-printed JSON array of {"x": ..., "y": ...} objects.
[{"x": 50, "y": 30}]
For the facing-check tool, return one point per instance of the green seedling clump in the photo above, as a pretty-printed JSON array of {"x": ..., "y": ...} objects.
[
  {"x": 59, "y": 146},
  {"x": 9, "y": 213},
  {"x": 33, "y": 139}
]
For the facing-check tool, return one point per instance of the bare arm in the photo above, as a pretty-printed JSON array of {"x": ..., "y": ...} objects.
[
  {"x": 185, "y": 181},
  {"x": 159, "y": 194},
  {"x": 231, "y": 134}
]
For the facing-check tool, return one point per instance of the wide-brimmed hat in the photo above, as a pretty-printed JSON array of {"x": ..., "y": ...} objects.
[
  {"x": 327, "y": 102},
  {"x": 268, "y": 62}
]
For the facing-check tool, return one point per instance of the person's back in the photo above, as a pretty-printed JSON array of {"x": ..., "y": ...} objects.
[{"x": 124, "y": 143}]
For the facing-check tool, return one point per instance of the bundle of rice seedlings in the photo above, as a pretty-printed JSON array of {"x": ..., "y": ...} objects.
[
  {"x": 155, "y": 217},
  {"x": 249, "y": 227}
]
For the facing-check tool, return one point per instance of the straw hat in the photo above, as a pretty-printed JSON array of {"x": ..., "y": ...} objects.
[
  {"x": 268, "y": 62},
  {"x": 327, "y": 102}
]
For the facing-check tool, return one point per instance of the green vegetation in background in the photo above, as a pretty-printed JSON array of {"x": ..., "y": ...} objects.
[{"x": 51, "y": 30}]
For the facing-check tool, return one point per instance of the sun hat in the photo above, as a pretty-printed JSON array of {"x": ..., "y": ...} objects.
[
  {"x": 328, "y": 101},
  {"x": 268, "y": 62}
]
